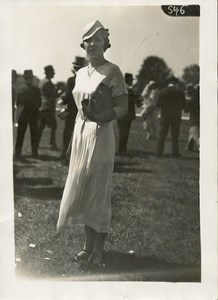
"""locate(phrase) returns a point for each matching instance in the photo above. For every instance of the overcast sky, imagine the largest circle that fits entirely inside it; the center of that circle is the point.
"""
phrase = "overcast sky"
(43, 35)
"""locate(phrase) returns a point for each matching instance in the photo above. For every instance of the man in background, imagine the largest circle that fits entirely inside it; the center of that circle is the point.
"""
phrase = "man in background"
(28, 102)
(48, 109)
(71, 108)
(171, 101)
(125, 122)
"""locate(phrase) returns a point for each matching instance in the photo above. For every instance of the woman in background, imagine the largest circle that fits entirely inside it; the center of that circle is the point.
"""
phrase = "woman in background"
(193, 107)
(87, 195)
(150, 111)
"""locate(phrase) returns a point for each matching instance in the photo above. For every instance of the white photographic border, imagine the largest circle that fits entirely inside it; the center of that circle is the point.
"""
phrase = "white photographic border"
(10, 288)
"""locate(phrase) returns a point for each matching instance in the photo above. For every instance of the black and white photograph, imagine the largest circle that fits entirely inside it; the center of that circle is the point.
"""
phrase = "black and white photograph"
(109, 150)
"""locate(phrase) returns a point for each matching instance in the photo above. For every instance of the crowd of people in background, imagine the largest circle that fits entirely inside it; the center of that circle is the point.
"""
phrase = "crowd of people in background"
(34, 104)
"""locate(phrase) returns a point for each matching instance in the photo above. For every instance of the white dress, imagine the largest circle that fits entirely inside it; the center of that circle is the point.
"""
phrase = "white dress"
(87, 194)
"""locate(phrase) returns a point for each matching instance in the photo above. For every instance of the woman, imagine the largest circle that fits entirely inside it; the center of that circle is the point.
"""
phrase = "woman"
(87, 195)
(150, 111)
(193, 108)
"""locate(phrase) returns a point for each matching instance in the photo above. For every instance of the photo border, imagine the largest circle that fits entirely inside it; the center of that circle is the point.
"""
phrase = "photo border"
(207, 289)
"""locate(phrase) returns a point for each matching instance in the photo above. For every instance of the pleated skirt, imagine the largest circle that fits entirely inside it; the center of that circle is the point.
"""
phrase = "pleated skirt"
(87, 194)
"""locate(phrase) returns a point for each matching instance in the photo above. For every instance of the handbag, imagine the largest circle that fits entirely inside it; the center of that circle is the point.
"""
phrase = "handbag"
(101, 100)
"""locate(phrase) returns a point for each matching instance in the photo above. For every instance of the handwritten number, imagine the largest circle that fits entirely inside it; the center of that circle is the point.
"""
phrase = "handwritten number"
(182, 11)
(176, 10)
(170, 9)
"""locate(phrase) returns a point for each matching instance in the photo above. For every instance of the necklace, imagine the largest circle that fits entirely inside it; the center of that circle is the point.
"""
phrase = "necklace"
(91, 70)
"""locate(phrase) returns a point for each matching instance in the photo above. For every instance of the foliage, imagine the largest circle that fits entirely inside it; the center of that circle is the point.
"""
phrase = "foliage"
(191, 74)
(153, 68)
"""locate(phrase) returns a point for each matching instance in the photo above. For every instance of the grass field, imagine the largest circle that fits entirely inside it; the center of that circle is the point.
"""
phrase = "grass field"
(155, 230)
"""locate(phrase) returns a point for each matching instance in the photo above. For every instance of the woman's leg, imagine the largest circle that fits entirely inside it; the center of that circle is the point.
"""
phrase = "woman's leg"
(89, 239)
(93, 248)
(99, 242)
(96, 258)
(88, 247)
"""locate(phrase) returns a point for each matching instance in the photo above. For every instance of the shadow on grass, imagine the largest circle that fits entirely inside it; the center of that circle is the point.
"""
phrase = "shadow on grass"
(181, 157)
(126, 267)
(23, 159)
(33, 181)
(45, 157)
(124, 163)
(134, 153)
(150, 153)
(26, 166)
(190, 158)
(17, 169)
(118, 267)
(40, 193)
(128, 167)
(118, 169)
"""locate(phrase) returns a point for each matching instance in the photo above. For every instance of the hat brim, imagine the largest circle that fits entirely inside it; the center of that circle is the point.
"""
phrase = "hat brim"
(89, 35)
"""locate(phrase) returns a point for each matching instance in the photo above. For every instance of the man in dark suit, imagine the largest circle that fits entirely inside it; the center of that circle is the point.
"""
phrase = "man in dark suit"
(68, 100)
(171, 101)
(28, 101)
(124, 123)
(47, 110)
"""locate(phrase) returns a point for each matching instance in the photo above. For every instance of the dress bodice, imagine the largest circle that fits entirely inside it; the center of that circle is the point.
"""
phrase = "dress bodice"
(108, 74)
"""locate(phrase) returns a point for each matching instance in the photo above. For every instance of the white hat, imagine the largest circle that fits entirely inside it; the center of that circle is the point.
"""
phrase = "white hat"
(90, 29)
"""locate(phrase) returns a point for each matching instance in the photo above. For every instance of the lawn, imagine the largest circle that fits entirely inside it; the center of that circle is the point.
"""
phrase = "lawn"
(155, 230)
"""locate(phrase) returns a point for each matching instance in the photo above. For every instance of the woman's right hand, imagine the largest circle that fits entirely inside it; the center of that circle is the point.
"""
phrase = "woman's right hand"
(68, 152)
(69, 148)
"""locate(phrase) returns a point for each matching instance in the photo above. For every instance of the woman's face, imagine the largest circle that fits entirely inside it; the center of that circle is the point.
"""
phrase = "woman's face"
(94, 46)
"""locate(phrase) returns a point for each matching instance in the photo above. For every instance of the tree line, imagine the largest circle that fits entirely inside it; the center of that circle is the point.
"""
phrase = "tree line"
(155, 68)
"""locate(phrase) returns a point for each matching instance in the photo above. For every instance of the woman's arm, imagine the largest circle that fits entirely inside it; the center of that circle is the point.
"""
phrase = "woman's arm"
(119, 110)
(121, 105)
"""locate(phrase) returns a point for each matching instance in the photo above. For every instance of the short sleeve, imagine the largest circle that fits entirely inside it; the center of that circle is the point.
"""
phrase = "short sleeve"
(117, 83)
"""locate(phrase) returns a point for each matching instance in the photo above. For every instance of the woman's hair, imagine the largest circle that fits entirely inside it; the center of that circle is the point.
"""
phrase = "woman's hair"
(105, 34)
